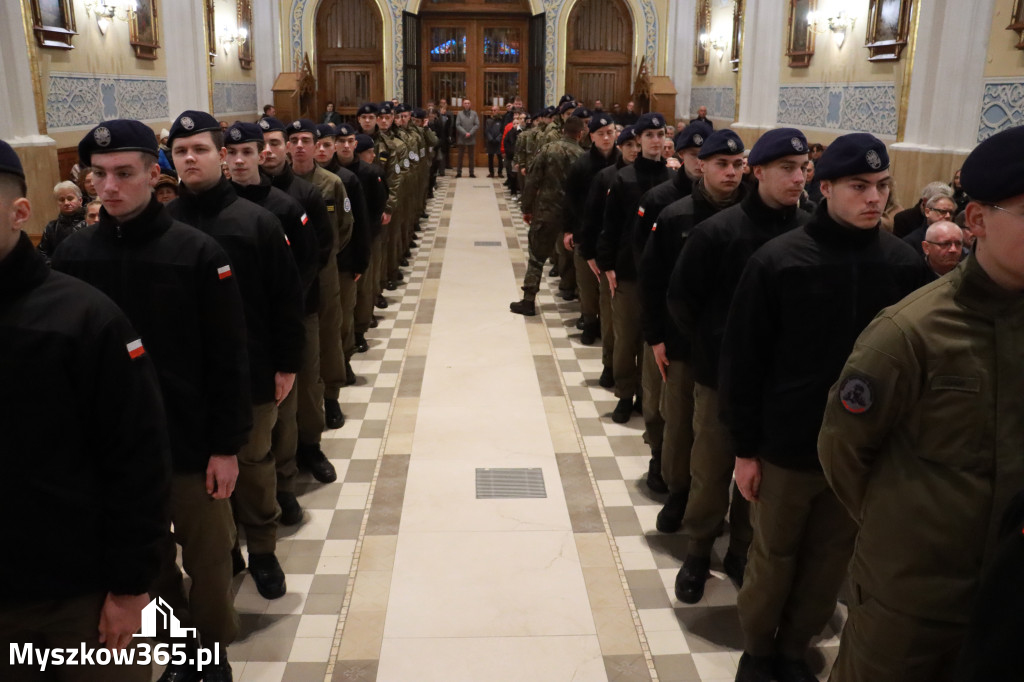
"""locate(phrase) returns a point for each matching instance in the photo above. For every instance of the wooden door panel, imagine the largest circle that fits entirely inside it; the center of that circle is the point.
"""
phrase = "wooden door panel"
(608, 84)
(350, 86)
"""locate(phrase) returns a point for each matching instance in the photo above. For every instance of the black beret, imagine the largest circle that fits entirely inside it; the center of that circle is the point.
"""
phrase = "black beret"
(722, 141)
(566, 98)
(120, 135)
(386, 109)
(240, 133)
(565, 106)
(852, 154)
(269, 124)
(628, 133)
(191, 123)
(599, 121)
(995, 169)
(9, 161)
(649, 121)
(582, 112)
(692, 135)
(346, 129)
(326, 130)
(302, 125)
(402, 108)
(776, 144)
(551, 111)
(368, 108)
(419, 113)
(363, 142)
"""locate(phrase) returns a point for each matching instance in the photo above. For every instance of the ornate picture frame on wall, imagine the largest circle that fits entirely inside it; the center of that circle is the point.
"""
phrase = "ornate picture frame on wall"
(1017, 23)
(211, 30)
(245, 24)
(800, 47)
(144, 31)
(53, 22)
(888, 29)
(702, 44)
(737, 34)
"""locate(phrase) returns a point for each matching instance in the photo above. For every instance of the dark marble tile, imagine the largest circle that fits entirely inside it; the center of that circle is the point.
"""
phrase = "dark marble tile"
(627, 668)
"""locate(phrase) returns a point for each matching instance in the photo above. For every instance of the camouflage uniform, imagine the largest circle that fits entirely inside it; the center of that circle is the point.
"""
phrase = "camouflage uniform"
(543, 197)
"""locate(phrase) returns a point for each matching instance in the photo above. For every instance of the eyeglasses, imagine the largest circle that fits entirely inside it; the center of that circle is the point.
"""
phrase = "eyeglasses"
(943, 211)
(1005, 210)
(945, 245)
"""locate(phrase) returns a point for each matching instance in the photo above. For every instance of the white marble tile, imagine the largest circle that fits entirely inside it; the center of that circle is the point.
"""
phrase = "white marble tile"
(317, 626)
(377, 411)
(658, 620)
(667, 642)
(338, 548)
(714, 665)
(495, 659)
(366, 448)
(260, 671)
(487, 584)
(584, 410)
(311, 650)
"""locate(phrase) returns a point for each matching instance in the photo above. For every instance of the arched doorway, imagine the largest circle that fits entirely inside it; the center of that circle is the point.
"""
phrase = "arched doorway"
(350, 54)
(600, 52)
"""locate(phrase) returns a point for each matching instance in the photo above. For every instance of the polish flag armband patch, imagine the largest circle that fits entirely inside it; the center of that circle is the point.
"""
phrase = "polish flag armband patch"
(135, 349)
(224, 271)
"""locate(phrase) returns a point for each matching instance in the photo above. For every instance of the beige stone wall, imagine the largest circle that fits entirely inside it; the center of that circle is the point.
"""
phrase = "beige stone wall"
(1003, 60)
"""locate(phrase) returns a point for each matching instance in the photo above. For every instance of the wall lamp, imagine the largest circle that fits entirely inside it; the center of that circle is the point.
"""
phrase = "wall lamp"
(108, 10)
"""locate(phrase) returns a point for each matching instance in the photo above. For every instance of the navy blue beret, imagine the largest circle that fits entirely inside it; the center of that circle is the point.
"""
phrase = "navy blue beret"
(652, 120)
(776, 144)
(346, 130)
(566, 98)
(191, 123)
(363, 142)
(550, 111)
(995, 169)
(239, 133)
(402, 108)
(269, 124)
(599, 121)
(582, 112)
(302, 125)
(566, 106)
(120, 135)
(722, 141)
(386, 109)
(419, 113)
(368, 108)
(326, 130)
(852, 154)
(9, 161)
(692, 135)
(628, 133)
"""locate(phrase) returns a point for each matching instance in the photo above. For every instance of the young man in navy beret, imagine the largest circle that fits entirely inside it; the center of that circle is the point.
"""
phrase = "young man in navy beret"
(922, 441)
(800, 303)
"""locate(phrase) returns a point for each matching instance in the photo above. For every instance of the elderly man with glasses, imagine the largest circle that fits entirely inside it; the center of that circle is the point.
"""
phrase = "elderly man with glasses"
(939, 207)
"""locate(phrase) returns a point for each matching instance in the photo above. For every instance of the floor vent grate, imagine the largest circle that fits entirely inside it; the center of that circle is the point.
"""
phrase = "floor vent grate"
(493, 484)
(486, 243)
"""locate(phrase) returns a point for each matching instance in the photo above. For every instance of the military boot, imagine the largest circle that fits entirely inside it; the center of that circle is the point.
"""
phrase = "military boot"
(670, 518)
(523, 307)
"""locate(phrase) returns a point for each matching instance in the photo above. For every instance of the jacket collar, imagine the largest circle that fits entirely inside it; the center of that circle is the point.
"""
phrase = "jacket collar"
(976, 290)
(645, 166)
(282, 180)
(152, 222)
(826, 230)
(212, 200)
(22, 270)
(254, 193)
(762, 213)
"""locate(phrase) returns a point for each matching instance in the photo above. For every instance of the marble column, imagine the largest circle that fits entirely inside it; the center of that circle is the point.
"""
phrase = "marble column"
(266, 36)
(188, 73)
(682, 18)
(764, 26)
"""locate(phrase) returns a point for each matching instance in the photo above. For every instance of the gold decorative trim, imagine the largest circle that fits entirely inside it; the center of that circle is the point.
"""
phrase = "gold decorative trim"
(908, 72)
(33, 64)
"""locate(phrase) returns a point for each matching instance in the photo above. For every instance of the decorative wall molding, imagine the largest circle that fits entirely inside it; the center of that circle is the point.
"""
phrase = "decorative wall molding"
(234, 98)
(854, 107)
(76, 100)
(1002, 106)
(721, 102)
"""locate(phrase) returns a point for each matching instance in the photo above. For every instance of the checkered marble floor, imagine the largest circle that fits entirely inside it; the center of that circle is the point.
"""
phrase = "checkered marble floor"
(688, 643)
(291, 639)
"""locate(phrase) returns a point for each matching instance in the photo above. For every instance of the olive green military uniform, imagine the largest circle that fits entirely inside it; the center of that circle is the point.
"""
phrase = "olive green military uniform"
(336, 322)
(923, 442)
(390, 157)
(396, 243)
(527, 147)
(543, 197)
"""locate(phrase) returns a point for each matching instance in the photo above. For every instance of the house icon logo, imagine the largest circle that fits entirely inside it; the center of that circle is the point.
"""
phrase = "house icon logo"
(157, 616)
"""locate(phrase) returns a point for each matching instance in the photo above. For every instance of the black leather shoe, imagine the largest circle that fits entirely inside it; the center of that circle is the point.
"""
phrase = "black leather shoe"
(312, 459)
(754, 669)
(670, 518)
(404, 262)
(654, 480)
(638, 406)
(790, 670)
(523, 307)
(412, 245)
(398, 276)
(735, 566)
(361, 345)
(623, 411)
(458, 175)
(580, 323)
(567, 294)
(218, 672)
(373, 319)
(591, 333)
(607, 379)
(237, 561)
(183, 672)
(691, 578)
(391, 285)
(471, 175)
(350, 376)
(380, 303)
(553, 272)
(333, 417)
(266, 572)
(291, 510)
